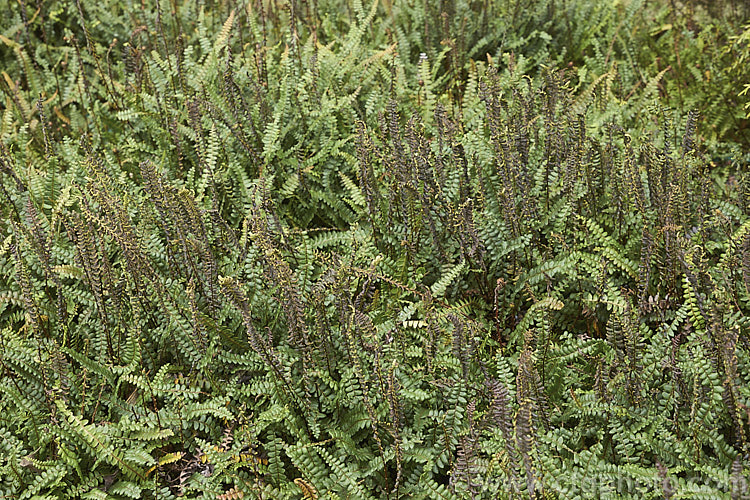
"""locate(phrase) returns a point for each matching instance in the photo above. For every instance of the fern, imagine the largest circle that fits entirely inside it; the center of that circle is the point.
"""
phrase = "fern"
(373, 250)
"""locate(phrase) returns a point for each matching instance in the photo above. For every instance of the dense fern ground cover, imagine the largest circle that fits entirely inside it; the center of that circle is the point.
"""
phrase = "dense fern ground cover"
(400, 249)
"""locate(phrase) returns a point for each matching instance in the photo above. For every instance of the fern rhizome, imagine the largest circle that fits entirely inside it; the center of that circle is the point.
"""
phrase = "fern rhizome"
(389, 249)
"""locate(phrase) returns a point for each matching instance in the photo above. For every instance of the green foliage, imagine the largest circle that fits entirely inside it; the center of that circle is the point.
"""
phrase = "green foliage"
(374, 250)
